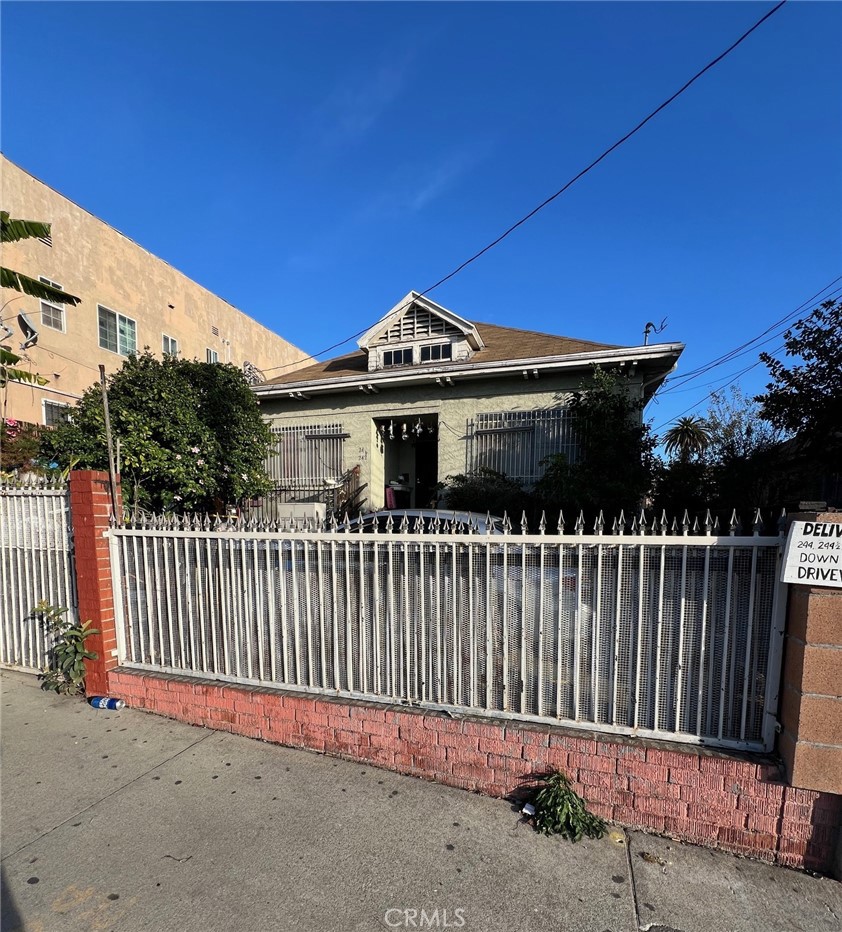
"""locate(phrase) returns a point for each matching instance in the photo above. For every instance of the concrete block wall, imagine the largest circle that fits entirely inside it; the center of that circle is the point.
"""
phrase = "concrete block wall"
(811, 703)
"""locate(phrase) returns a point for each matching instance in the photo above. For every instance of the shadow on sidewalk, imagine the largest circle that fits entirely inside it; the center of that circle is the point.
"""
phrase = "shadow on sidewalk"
(10, 919)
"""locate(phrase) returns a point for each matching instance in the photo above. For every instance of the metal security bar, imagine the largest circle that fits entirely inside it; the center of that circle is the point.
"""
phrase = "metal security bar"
(515, 443)
(305, 455)
(36, 563)
(674, 637)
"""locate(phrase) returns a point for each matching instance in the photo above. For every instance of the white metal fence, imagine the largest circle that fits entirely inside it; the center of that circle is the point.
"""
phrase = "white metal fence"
(667, 636)
(36, 563)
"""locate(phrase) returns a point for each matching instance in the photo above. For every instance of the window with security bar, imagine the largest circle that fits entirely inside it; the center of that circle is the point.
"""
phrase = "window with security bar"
(516, 443)
(306, 454)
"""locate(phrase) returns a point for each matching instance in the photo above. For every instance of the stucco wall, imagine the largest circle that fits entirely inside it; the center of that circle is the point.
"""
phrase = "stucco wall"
(454, 406)
(102, 266)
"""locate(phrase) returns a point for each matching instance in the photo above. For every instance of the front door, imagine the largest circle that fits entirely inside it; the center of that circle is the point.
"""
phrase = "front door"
(410, 460)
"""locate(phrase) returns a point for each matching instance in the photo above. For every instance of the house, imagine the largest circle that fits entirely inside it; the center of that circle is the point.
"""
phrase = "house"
(431, 394)
(130, 299)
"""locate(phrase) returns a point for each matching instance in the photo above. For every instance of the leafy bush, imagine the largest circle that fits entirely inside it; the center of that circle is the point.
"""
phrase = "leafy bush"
(19, 444)
(65, 670)
(486, 490)
(614, 465)
(191, 434)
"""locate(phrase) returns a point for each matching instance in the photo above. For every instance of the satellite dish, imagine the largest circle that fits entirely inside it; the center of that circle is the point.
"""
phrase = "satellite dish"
(29, 331)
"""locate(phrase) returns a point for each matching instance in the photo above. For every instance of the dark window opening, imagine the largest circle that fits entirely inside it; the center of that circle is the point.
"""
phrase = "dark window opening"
(436, 352)
(398, 357)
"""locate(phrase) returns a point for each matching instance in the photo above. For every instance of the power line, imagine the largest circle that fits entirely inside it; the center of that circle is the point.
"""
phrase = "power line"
(721, 385)
(53, 352)
(749, 346)
(745, 347)
(572, 181)
(610, 149)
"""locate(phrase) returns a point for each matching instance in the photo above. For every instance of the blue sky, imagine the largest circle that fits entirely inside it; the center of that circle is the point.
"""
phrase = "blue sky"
(312, 163)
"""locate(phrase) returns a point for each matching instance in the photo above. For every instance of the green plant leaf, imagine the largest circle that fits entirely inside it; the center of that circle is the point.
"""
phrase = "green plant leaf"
(35, 289)
(559, 810)
(13, 230)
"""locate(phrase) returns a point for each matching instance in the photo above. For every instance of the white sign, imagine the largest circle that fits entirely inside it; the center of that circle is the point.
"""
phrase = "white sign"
(813, 555)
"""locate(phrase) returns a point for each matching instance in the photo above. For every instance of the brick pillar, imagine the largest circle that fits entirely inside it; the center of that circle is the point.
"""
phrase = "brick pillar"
(811, 711)
(90, 509)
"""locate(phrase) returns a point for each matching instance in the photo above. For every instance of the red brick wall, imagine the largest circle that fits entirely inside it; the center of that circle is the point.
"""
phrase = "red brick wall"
(90, 508)
(738, 804)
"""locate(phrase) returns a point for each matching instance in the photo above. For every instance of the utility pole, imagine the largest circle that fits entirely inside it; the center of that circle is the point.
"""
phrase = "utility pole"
(112, 474)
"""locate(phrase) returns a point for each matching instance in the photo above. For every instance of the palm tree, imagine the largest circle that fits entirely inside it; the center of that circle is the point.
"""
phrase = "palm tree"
(10, 232)
(688, 436)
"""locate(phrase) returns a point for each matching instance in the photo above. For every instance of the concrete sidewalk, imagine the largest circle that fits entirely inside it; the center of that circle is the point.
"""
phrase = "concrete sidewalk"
(125, 821)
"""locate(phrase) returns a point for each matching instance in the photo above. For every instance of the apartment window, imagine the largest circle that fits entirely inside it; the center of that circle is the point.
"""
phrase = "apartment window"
(169, 346)
(52, 315)
(398, 357)
(54, 412)
(116, 332)
(212, 355)
(436, 352)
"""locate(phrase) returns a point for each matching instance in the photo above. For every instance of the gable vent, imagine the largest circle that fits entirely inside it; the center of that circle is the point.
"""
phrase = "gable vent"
(46, 240)
(215, 331)
(418, 323)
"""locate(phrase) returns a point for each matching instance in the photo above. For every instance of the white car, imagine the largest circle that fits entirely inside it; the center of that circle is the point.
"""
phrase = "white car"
(425, 521)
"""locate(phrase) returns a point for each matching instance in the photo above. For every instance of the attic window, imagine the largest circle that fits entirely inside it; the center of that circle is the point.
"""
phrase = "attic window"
(398, 357)
(436, 352)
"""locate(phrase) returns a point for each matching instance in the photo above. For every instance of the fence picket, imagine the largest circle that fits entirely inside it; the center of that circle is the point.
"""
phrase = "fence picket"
(603, 631)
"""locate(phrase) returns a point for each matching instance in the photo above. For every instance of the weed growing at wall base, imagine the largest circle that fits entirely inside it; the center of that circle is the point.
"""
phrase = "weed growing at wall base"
(559, 810)
(65, 670)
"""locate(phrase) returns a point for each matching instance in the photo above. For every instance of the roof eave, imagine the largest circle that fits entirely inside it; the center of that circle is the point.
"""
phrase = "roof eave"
(665, 353)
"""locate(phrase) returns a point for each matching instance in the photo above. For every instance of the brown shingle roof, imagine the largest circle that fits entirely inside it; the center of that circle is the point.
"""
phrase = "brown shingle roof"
(501, 343)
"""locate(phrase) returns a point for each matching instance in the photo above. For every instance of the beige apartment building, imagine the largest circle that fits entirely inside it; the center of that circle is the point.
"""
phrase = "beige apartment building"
(130, 299)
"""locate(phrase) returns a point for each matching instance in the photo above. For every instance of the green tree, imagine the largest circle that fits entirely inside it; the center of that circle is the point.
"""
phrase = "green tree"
(615, 461)
(191, 435)
(805, 399)
(743, 464)
(681, 484)
(736, 427)
(688, 437)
